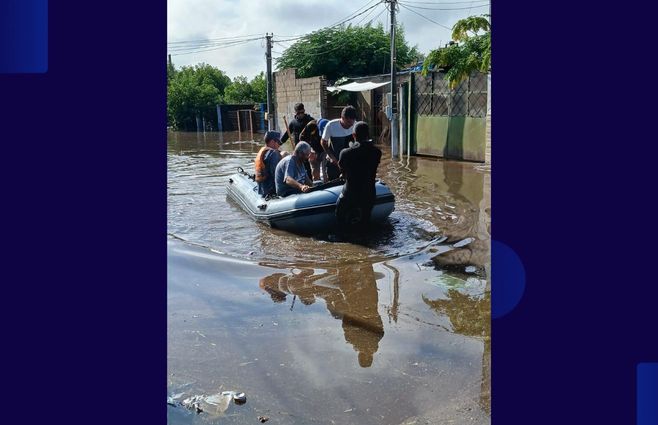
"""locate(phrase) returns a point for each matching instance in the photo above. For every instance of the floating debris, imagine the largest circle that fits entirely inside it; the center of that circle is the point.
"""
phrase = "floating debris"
(263, 419)
(215, 404)
(463, 242)
(238, 398)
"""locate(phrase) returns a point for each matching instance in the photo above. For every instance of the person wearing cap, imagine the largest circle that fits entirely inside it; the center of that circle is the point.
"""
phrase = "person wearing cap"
(290, 176)
(358, 164)
(267, 159)
(336, 137)
(297, 124)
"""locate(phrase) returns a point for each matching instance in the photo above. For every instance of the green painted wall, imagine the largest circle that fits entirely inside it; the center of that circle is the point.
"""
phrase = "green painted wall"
(450, 137)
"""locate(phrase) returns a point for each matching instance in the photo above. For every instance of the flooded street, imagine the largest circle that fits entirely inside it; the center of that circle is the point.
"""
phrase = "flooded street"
(393, 330)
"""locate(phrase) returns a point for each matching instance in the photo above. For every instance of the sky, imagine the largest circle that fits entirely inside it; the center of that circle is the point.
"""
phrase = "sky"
(190, 22)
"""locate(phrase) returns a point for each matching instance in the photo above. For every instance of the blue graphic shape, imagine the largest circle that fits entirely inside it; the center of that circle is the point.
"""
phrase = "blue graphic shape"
(23, 36)
(507, 279)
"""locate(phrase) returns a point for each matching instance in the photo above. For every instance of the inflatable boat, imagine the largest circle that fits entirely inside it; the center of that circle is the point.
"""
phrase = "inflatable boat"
(305, 213)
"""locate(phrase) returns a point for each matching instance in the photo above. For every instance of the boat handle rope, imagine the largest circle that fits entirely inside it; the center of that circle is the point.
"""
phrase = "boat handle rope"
(243, 172)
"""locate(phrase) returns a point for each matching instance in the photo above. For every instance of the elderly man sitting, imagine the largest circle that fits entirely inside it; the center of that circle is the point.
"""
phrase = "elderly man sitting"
(290, 175)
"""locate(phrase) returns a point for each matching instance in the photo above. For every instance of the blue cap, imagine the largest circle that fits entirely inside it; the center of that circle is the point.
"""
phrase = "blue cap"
(272, 135)
(322, 123)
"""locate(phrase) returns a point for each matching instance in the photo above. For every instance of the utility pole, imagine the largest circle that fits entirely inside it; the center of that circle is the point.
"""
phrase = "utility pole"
(268, 56)
(394, 90)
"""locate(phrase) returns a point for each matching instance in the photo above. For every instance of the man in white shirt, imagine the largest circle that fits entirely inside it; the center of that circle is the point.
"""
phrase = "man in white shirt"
(336, 137)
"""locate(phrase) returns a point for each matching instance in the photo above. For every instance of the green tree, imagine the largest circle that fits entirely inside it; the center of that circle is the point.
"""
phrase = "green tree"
(347, 51)
(259, 88)
(242, 91)
(239, 91)
(194, 92)
(471, 53)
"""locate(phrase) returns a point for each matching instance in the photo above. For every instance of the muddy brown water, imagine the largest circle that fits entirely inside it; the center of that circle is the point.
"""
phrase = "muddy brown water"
(391, 330)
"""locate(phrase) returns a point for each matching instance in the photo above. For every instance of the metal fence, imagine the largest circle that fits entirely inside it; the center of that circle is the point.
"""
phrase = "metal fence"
(246, 120)
(433, 95)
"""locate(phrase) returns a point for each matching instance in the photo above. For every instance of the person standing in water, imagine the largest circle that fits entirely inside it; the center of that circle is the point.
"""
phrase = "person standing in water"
(358, 164)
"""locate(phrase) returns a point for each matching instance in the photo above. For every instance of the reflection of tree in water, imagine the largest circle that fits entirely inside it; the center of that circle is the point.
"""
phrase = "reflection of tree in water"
(350, 294)
(470, 316)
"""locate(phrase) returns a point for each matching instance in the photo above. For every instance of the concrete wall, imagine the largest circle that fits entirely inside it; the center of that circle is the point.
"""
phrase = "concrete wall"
(451, 137)
(289, 90)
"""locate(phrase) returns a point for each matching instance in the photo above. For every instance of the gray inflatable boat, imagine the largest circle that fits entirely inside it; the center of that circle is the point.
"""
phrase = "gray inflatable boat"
(305, 213)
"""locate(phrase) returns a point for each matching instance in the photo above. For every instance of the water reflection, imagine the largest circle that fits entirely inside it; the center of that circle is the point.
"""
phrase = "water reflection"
(350, 295)
(433, 256)
(470, 315)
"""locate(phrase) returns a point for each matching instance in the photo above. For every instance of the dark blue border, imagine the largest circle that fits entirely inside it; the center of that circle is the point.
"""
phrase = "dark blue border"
(573, 181)
(23, 36)
(84, 215)
(647, 394)
(84, 219)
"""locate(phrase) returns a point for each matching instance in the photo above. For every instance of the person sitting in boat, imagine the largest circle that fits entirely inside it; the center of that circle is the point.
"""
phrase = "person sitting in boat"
(358, 164)
(290, 175)
(337, 134)
(267, 159)
(297, 124)
(311, 135)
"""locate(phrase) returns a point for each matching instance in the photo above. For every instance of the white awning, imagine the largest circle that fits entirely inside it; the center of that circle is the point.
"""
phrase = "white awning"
(368, 85)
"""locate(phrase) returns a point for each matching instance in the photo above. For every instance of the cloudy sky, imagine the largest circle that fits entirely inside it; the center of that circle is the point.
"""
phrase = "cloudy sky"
(224, 22)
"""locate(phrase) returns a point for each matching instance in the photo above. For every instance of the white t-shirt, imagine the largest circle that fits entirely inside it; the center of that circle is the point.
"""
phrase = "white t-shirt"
(337, 136)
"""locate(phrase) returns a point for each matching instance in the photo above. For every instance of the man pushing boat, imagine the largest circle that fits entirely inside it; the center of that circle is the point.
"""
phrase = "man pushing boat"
(358, 165)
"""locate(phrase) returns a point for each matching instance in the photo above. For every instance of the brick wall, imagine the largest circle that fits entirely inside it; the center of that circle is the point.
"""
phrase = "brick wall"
(289, 90)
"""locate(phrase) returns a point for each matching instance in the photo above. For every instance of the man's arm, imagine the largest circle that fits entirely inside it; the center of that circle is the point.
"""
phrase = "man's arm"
(294, 183)
(343, 163)
(285, 135)
(328, 150)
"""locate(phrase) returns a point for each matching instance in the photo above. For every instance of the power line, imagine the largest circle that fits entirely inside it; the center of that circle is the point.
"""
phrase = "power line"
(425, 17)
(366, 16)
(350, 18)
(209, 45)
(443, 8)
(197, 50)
(377, 17)
(353, 15)
(208, 40)
(329, 46)
(446, 2)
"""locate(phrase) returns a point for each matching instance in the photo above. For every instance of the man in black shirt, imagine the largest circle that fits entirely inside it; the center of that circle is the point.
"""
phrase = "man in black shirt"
(297, 124)
(358, 164)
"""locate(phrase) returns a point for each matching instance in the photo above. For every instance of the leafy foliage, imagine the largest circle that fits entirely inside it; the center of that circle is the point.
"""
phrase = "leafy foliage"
(243, 91)
(472, 24)
(194, 91)
(350, 51)
(461, 59)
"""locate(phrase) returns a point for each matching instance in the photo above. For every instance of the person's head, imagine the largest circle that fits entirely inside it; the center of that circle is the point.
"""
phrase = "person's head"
(348, 116)
(361, 132)
(272, 139)
(299, 110)
(313, 155)
(302, 151)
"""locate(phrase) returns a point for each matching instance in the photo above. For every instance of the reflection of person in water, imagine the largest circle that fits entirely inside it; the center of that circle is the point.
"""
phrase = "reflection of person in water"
(351, 296)
(279, 285)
